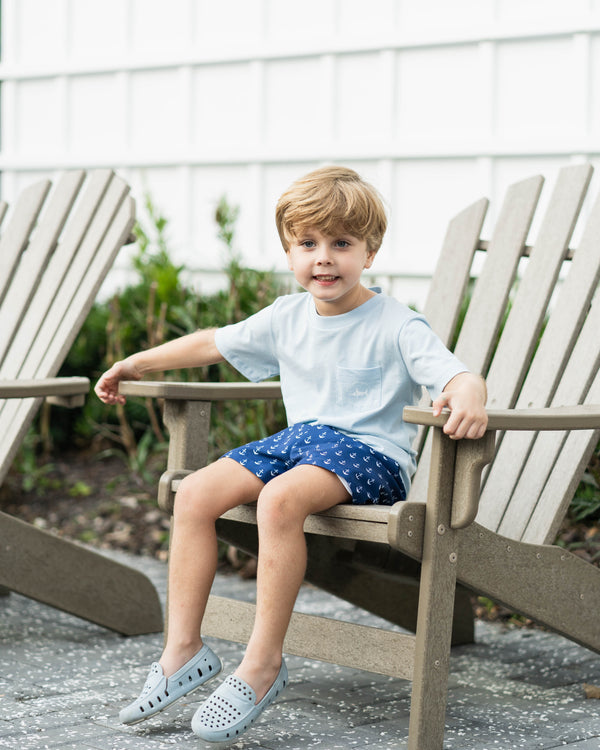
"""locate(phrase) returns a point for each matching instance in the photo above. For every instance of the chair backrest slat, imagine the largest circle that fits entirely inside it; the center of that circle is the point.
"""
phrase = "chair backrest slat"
(3, 210)
(487, 307)
(537, 453)
(567, 469)
(530, 303)
(486, 310)
(16, 234)
(121, 208)
(34, 259)
(61, 276)
(54, 292)
(80, 248)
(451, 278)
(552, 378)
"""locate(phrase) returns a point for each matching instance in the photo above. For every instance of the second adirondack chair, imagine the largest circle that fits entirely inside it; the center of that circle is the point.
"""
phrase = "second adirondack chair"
(55, 251)
(531, 327)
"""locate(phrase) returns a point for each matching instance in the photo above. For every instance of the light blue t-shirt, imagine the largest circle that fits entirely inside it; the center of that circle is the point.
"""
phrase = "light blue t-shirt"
(354, 372)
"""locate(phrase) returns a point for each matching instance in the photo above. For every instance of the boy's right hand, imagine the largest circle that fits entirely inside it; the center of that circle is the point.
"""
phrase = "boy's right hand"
(107, 388)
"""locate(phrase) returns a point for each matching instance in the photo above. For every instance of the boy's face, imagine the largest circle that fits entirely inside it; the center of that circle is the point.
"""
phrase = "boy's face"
(330, 268)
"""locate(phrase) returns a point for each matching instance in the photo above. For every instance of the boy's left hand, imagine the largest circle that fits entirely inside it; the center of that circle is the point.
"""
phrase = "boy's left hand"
(465, 395)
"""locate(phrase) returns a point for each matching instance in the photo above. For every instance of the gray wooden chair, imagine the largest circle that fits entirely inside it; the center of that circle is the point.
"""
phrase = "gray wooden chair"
(55, 251)
(412, 563)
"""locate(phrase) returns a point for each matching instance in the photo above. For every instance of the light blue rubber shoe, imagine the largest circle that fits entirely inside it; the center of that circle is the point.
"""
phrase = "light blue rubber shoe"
(160, 691)
(232, 708)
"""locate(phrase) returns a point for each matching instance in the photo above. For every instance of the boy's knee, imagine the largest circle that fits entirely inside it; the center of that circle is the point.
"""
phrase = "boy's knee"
(275, 508)
(189, 496)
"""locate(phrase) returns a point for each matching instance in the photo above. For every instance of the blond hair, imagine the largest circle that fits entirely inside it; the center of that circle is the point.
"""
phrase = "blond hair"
(332, 199)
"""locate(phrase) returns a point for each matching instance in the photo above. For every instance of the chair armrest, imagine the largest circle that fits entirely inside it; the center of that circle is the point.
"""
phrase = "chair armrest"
(62, 391)
(471, 456)
(200, 391)
(581, 417)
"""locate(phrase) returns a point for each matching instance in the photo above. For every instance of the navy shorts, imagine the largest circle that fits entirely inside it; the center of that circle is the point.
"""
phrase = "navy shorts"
(370, 477)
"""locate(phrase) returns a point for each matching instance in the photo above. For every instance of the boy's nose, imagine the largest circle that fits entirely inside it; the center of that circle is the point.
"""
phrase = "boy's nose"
(323, 257)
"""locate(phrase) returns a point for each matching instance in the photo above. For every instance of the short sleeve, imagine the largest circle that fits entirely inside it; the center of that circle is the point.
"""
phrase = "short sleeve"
(249, 346)
(428, 361)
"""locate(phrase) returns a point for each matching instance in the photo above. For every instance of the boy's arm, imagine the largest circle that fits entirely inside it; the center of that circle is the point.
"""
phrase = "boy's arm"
(195, 350)
(465, 395)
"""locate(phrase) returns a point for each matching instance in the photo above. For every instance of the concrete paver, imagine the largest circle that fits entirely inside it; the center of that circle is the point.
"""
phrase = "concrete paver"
(63, 682)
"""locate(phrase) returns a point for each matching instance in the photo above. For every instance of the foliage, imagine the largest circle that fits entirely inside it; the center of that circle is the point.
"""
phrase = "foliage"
(586, 503)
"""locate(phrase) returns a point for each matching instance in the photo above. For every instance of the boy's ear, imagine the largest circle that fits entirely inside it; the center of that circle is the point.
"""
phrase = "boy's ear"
(370, 258)
(288, 255)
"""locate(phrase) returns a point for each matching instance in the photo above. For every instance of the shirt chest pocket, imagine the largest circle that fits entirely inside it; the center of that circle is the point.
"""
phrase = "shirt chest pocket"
(359, 389)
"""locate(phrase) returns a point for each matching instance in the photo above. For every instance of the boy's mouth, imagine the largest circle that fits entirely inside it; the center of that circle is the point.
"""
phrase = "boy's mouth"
(323, 278)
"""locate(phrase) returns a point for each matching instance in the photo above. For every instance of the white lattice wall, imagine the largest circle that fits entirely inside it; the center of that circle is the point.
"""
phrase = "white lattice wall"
(436, 102)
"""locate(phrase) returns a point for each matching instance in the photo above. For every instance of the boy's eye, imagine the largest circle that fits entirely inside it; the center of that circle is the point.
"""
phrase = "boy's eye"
(308, 244)
(342, 243)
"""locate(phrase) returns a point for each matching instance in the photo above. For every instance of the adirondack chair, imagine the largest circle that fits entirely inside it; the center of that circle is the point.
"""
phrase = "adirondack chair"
(489, 530)
(55, 251)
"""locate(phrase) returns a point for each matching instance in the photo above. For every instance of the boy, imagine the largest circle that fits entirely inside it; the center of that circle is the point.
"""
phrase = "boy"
(349, 360)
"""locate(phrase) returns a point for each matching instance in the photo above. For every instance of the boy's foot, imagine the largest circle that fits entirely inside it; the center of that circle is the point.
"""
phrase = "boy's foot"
(160, 691)
(232, 708)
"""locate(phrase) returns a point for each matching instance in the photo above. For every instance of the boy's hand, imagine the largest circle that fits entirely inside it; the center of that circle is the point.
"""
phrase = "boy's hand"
(107, 388)
(465, 395)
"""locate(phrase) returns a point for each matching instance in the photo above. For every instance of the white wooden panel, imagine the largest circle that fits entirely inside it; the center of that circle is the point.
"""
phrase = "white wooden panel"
(159, 28)
(243, 20)
(437, 92)
(534, 10)
(534, 97)
(97, 104)
(36, 99)
(41, 31)
(359, 20)
(457, 17)
(420, 187)
(289, 21)
(98, 31)
(157, 109)
(226, 106)
(297, 104)
(361, 111)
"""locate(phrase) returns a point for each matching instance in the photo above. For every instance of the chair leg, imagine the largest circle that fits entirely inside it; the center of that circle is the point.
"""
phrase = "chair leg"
(436, 604)
(77, 580)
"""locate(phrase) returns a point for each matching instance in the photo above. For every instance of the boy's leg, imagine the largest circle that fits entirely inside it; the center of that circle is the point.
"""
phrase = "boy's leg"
(283, 505)
(201, 498)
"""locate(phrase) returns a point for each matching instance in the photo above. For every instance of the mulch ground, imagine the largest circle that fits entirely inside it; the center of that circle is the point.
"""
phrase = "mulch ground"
(97, 501)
